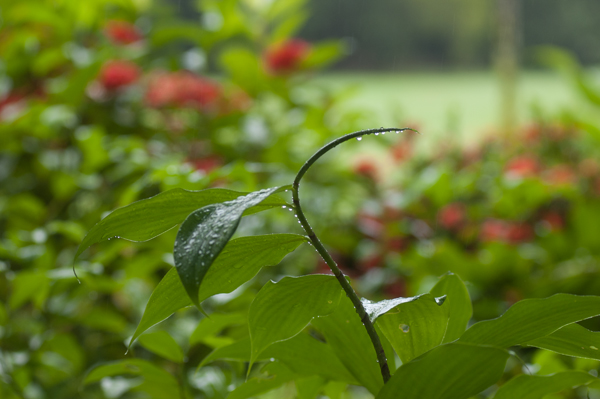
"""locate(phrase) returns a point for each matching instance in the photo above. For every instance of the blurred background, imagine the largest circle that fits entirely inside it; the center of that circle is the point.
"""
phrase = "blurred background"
(106, 102)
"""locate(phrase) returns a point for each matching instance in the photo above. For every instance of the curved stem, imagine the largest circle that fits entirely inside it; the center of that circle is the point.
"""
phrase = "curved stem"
(364, 317)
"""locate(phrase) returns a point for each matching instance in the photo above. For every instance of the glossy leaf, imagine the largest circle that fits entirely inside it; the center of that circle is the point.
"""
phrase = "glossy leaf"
(345, 333)
(281, 310)
(162, 344)
(241, 259)
(376, 309)
(571, 340)
(538, 386)
(148, 218)
(303, 354)
(531, 319)
(276, 375)
(157, 382)
(204, 234)
(415, 327)
(458, 303)
(455, 370)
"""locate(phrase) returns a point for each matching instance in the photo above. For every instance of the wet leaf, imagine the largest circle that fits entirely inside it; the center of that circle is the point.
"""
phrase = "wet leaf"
(458, 303)
(571, 340)
(538, 386)
(415, 327)
(204, 234)
(241, 259)
(531, 319)
(148, 218)
(276, 375)
(455, 370)
(162, 344)
(281, 310)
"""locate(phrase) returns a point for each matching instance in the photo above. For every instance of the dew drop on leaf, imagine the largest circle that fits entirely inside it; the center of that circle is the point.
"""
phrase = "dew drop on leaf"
(404, 327)
(359, 138)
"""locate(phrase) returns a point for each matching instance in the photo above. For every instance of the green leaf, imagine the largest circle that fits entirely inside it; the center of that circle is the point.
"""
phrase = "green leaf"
(454, 370)
(303, 354)
(415, 327)
(458, 303)
(345, 333)
(281, 310)
(531, 319)
(376, 309)
(537, 386)
(162, 344)
(241, 259)
(571, 340)
(204, 234)
(210, 326)
(277, 375)
(148, 218)
(324, 53)
(309, 388)
(157, 382)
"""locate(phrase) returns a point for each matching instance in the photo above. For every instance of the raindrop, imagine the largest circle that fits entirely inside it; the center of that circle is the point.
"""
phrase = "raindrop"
(284, 207)
(329, 301)
(272, 359)
(359, 138)
(404, 327)
(382, 132)
(376, 134)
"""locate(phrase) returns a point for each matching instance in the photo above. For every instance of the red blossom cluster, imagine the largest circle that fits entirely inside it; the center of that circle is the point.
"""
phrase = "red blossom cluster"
(116, 74)
(286, 56)
(122, 32)
(182, 89)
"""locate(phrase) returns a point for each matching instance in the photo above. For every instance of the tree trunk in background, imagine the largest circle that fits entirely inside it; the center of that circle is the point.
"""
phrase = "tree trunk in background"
(507, 62)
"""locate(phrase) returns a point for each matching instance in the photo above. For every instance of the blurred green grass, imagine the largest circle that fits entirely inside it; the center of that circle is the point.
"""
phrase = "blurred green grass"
(450, 105)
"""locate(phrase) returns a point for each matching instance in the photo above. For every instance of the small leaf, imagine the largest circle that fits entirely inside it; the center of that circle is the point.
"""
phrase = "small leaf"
(157, 382)
(571, 340)
(455, 370)
(345, 333)
(148, 218)
(415, 327)
(281, 310)
(204, 234)
(162, 344)
(458, 303)
(278, 375)
(531, 319)
(303, 354)
(241, 259)
(537, 386)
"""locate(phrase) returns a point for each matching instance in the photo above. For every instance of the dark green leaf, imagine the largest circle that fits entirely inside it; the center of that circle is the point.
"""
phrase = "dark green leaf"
(303, 354)
(571, 340)
(531, 319)
(148, 218)
(458, 303)
(415, 327)
(281, 310)
(454, 370)
(349, 340)
(204, 234)
(241, 259)
(162, 344)
(537, 386)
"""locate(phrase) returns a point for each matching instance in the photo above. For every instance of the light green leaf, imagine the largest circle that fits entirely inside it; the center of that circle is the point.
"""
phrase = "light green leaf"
(148, 218)
(537, 386)
(157, 382)
(309, 388)
(415, 327)
(241, 259)
(277, 375)
(571, 340)
(531, 319)
(303, 354)
(281, 310)
(204, 234)
(162, 344)
(349, 340)
(455, 370)
(458, 303)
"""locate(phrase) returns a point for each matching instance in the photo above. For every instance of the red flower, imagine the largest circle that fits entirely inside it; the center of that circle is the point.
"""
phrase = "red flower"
(286, 56)
(521, 167)
(207, 164)
(367, 168)
(494, 230)
(451, 216)
(118, 73)
(554, 220)
(560, 175)
(182, 89)
(122, 32)
(519, 232)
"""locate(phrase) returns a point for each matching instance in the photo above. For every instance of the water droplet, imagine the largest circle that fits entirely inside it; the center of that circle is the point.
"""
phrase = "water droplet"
(594, 348)
(376, 134)
(382, 132)
(329, 301)
(359, 138)
(404, 327)
(272, 359)
(284, 207)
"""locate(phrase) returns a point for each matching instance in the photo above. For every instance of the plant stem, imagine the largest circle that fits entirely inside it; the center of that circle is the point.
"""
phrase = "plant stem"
(364, 317)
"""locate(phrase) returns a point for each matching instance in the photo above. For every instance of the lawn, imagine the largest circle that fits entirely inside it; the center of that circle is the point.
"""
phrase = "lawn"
(464, 104)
